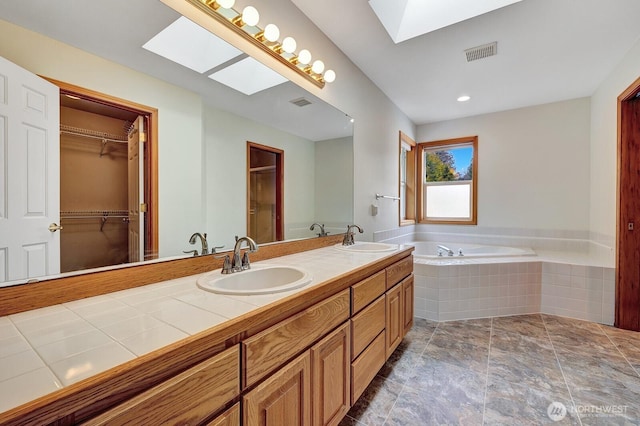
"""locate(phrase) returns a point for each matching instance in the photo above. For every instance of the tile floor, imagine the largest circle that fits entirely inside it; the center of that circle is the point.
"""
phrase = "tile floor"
(507, 371)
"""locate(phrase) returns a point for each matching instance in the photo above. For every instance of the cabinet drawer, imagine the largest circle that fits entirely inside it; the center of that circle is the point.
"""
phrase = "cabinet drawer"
(366, 325)
(399, 270)
(366, 291)
(188, 398)
(272, 347)
(366, 366)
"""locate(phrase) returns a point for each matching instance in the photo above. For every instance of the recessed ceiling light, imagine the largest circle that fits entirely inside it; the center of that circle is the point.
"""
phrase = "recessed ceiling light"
(464, 98)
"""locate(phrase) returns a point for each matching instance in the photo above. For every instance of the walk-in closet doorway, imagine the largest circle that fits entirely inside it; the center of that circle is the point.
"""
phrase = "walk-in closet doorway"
(108, 180)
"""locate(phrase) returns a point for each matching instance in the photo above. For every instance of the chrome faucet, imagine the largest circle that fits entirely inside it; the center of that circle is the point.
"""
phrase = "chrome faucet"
(348, 236)
(322, 232)
(237, 264)
(203, 242)
(445, 248)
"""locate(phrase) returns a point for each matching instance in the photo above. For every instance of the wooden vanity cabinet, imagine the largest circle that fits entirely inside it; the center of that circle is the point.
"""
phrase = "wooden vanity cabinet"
(308, 368)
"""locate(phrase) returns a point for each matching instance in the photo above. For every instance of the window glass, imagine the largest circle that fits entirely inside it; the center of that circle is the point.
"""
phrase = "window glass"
(448, 181)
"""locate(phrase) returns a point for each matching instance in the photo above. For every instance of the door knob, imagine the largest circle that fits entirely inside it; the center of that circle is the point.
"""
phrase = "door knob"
(55, 227)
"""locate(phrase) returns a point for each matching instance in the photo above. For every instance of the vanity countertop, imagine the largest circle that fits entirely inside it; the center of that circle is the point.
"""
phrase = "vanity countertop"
(47, 349)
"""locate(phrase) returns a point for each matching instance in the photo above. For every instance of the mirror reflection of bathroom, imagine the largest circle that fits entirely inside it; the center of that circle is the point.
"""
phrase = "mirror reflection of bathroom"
(101, 183)
(265, 192)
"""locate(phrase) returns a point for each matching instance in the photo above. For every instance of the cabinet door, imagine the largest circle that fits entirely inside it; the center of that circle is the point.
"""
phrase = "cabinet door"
(231, 417)
(282, 399)
(407, 291)
(330, 366)
(395, 318)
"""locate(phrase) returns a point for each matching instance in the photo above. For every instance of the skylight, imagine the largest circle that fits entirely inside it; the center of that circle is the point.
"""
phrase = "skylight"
(248, 76)
(405, 19)
(190, 45)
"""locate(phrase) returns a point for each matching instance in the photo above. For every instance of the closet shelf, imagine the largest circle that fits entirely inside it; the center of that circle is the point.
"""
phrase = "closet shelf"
(93, 134)
(93, 213)
(103, 215)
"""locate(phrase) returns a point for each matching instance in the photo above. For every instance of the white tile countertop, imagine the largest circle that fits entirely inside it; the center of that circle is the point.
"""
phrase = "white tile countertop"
(46, 349)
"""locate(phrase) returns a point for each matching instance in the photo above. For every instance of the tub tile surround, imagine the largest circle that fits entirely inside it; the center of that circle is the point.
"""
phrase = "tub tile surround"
(570, 275)
(46, 349)
(506, 370)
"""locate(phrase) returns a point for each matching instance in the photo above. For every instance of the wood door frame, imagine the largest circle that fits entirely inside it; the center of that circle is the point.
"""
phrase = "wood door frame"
(622, 317)
(279, 186)
(150, 162)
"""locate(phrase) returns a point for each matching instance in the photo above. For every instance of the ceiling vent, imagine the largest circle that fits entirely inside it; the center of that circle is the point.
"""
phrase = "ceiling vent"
(481, 52)
(300, 102)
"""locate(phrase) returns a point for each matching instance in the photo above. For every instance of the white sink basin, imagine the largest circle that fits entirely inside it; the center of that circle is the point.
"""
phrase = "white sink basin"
(365, 247)
(260, 279)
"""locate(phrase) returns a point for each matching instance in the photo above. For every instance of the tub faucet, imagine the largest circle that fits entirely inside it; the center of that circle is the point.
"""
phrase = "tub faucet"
(348, 236)
(241, 265)
(203, 242)
(322, 232)
(447, 249)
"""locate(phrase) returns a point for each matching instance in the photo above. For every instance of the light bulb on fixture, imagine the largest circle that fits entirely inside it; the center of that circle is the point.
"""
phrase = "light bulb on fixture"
(250, 16)
(317, 67)
(330, 76)
(271, 33)
(226, 4)
(289, 44)
(304, 57)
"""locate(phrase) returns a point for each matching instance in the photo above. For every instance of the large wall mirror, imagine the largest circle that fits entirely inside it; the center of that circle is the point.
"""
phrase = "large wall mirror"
(203, 128)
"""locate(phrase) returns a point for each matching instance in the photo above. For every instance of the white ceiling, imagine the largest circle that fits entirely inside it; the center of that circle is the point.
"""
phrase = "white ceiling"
(548, 50)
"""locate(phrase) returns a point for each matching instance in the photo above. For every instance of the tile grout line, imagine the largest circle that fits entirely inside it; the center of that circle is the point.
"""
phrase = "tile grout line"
(405, 382)
(618, 349)
(561, 370)
(486, 382)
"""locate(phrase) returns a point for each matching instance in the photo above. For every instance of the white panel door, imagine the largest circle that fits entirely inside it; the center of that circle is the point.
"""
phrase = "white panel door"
(29, 174)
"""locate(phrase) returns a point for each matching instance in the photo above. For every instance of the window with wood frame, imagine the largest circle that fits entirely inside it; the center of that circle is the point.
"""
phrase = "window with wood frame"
(407, 190)
(448, 181)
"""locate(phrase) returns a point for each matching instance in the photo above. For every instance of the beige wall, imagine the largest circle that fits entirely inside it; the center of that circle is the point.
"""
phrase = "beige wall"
(533, 164)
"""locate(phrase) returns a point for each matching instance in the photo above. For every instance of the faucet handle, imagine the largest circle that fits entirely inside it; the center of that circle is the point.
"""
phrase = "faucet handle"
(194, 252)
(226, 266)
(245, 261)
(213, 250)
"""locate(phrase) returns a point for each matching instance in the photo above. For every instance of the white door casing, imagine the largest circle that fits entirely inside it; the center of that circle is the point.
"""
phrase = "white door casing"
(29, 174)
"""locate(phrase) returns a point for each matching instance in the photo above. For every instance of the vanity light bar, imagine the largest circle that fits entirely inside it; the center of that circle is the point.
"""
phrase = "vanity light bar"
(246, 24)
